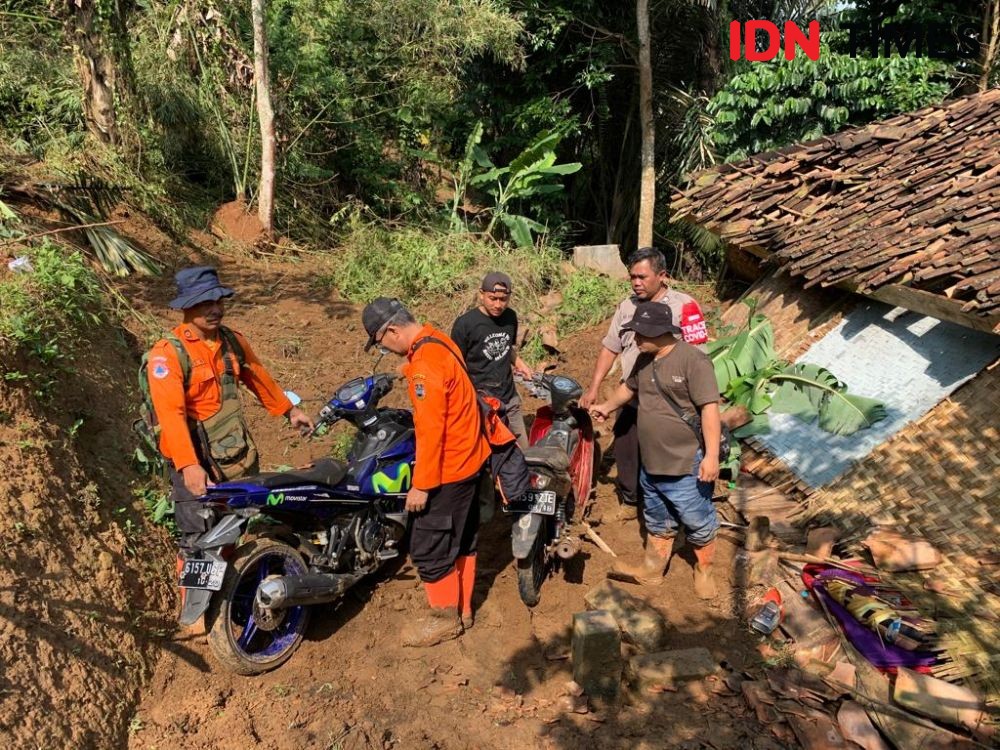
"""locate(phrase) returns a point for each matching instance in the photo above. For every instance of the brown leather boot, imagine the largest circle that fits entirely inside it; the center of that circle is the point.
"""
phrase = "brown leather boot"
(442, 622)
(437, 626)
(704, 586)
(651, 570)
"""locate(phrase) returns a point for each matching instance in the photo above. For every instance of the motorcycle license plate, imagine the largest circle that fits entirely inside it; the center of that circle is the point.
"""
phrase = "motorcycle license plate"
(541, 502)
(203, 574)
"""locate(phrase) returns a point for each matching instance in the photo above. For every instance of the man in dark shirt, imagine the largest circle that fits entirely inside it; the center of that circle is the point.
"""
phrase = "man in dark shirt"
(677, 477)
(487, 338)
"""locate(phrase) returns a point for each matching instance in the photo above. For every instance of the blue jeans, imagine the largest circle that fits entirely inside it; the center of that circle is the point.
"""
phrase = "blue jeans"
(672, 502)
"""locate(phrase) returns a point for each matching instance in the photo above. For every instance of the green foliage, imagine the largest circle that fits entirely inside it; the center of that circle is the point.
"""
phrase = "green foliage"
(587, 299)
(750, 374)
(157, 505)
(44, 311)
(40, 96)
(531, 174)
(780, 102)
(419, 265)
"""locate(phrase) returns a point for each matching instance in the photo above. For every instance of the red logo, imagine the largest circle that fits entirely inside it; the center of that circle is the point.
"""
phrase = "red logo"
(758, 53)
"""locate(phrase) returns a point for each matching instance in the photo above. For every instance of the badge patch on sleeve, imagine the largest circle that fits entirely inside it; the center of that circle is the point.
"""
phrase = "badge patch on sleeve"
(418, 389)
(159, 368)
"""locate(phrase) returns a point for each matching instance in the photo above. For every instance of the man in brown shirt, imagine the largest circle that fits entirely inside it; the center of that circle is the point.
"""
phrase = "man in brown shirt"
(647, 270)
(677, 476)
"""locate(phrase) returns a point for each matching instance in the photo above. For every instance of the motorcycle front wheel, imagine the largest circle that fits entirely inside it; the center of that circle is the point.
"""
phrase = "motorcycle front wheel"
(531, 571)
(244, 638)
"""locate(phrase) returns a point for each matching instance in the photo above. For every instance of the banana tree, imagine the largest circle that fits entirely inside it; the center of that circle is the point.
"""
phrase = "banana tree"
(750, 374)
(530, 174)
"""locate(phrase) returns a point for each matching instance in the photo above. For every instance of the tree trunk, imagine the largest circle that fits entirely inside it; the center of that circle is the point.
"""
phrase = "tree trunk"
(96, 68)
(265, 113)
(647, 182)
(990, 42)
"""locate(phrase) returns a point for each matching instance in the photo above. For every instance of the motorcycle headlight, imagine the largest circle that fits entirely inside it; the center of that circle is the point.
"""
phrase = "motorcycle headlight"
(539, 481)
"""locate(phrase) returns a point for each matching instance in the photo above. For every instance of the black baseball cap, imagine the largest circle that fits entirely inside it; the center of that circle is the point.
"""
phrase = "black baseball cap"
(652, 319)
(376, 314)
(497, 282)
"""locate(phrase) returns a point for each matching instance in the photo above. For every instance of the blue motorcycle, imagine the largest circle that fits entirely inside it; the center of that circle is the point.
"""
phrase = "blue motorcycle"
(280, 542)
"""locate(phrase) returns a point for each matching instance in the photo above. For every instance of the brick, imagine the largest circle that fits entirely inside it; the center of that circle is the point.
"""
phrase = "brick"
(597, 658)
(640, 623)
(671, 667)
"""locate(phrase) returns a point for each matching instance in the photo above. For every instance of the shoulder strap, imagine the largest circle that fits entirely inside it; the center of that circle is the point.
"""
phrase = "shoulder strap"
(230, 342)
(435, 340)
(689, 420)
(182, 356)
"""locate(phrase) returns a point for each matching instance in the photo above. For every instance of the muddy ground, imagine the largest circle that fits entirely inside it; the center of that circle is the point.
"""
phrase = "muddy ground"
(351, 685)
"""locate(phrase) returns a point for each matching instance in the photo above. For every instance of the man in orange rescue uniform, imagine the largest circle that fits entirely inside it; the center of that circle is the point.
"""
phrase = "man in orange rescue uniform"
(451, 452)
(193, 376)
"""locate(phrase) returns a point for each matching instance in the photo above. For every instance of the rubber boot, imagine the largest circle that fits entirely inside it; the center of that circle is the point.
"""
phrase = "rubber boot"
(466, 566)
(441, 623)
(704, 586)
(651, 570)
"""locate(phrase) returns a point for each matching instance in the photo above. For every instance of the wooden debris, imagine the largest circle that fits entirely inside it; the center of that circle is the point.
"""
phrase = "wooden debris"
(937, 699)
(596, 539)
(857, 727)
(895, 552)
(816, 731)
(820, 541)
(758, 534)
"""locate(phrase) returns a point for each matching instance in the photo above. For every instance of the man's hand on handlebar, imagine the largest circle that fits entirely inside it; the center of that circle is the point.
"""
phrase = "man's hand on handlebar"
(301, 421)
(196, 480)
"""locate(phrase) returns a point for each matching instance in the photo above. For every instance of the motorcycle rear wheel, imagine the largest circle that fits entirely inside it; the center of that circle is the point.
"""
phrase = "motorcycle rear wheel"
(531, 571)
(244, 645)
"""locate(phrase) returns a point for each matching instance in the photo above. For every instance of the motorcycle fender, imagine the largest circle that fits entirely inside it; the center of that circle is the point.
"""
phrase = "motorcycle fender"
(523, 534)
(195, 603)
(225, 532)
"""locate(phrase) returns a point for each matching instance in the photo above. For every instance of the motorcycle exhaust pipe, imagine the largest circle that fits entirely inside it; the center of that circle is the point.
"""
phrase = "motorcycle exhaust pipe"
(313, 588)
(568, 548)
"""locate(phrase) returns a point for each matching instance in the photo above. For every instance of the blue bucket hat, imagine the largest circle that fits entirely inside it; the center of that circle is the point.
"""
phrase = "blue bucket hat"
(196, 285)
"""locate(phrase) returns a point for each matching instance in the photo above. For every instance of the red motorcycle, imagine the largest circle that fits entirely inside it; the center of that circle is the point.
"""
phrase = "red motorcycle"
(561, 468)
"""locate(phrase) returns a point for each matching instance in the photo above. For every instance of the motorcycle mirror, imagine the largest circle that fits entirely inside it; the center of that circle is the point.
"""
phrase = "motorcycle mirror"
(293, 397)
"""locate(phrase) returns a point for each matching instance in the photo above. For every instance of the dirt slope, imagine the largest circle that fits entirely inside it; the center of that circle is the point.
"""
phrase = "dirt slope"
(83, 590)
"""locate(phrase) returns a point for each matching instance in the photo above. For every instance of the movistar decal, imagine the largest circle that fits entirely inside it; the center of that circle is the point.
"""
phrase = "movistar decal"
(275, 498)
(382, 482)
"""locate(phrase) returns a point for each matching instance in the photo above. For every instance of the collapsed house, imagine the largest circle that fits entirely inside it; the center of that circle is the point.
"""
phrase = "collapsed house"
(876, 253)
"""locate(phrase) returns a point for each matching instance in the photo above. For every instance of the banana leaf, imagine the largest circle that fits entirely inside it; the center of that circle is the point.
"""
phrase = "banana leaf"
(759, 425)
(808, 391)
(743, 353)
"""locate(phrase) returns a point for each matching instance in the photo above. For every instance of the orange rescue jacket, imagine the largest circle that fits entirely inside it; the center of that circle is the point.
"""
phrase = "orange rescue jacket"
(203, 397)
(449, 437)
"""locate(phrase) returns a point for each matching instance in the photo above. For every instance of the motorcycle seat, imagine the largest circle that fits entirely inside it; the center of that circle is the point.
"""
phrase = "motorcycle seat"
(326, 471)
(547, 455)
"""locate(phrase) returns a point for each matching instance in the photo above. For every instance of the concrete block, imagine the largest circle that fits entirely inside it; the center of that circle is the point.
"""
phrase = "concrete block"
(640, 623)
(597, 656)
(602, 258)
(671, 667)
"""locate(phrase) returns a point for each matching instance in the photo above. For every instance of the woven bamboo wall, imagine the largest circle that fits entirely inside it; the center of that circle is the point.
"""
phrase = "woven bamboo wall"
(939, 479)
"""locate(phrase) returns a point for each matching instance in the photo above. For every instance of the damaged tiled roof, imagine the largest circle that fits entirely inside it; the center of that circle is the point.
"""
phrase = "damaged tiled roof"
(914, 200)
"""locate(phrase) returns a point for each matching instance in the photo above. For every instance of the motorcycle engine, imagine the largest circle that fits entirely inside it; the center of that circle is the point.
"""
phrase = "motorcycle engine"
(372, 536)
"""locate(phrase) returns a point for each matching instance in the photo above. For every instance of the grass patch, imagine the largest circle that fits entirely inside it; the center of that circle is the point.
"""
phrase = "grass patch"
(418, 264)
(43, 312)
(438, 273)
(588, 298)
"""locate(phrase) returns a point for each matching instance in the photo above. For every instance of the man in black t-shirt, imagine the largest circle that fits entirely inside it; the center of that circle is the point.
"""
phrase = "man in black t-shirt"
(487, 338)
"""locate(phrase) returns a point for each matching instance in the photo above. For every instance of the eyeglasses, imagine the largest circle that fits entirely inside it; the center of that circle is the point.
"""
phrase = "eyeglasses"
(382, 333)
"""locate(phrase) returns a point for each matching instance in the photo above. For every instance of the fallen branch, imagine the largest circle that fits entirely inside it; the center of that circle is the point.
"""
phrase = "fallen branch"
(796, 557)
(62, 229)
(596, 539)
